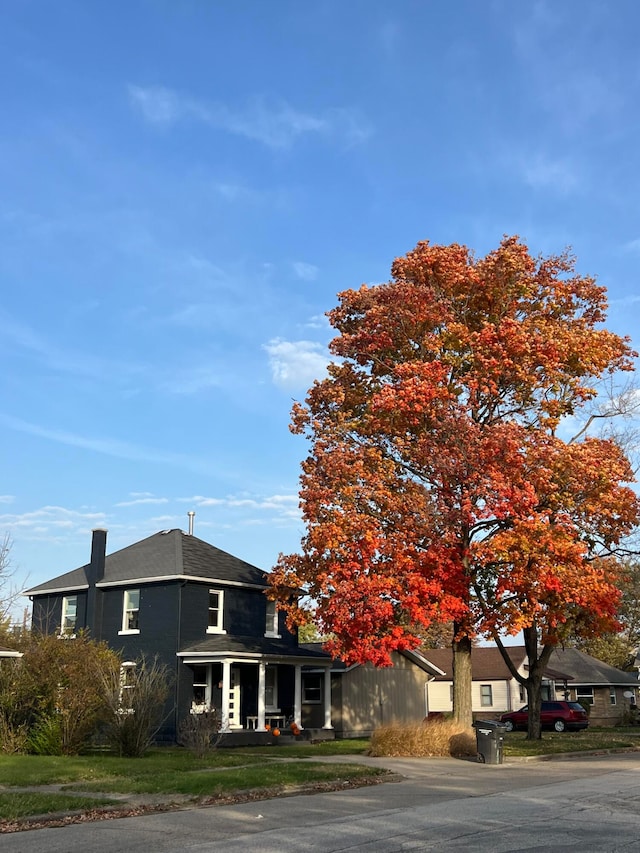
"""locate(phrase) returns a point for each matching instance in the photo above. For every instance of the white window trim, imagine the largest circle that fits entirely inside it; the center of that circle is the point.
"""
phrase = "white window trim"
(271, 625)
(125, 610)
(219, 628)
(68, 634)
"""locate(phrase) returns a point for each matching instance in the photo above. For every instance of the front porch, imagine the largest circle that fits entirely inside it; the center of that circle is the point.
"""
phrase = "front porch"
(255, 696)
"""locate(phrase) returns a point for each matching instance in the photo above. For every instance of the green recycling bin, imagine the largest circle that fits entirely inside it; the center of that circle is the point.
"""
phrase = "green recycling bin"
(489, 740)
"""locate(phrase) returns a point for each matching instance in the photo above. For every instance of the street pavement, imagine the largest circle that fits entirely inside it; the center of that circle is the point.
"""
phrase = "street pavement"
(587, 803)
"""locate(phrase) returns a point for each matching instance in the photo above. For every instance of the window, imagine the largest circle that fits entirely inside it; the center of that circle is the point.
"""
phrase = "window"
(130, 611)
(612, 696)
(271, 629)
(127, 684)
(69, 615)
(486, 695)
(584, 694)
(200, 689)
(216, 612)
(311, 688)
(271, 689)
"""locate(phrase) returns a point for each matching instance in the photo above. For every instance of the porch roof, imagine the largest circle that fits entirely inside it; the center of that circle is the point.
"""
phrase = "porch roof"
(222, 646)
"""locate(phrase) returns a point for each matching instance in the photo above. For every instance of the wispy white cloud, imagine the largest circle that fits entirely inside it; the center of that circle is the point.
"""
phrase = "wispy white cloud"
(143, 500)
(105, 446)
(305, 271)
(296, 364)
(7, 499)
(546, 173)
(318, 321)
(51, 518)
(632, 245)
(272, 122)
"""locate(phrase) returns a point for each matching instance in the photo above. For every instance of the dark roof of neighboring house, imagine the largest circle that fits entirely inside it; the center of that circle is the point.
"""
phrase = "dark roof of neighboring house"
(585, 669)
(415, 656)
(222, 643)
(486, 662)
(167, 554)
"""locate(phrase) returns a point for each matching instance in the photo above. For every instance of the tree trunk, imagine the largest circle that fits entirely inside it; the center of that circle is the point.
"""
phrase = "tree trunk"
(462, 707)
(538, 661)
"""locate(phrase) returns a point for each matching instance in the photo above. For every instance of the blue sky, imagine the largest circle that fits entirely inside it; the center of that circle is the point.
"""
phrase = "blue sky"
(185, 187)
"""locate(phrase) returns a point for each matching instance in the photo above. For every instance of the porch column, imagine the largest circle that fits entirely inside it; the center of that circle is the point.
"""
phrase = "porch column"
(327, 699)
(297, 696)
(226, 687)
(261, 695)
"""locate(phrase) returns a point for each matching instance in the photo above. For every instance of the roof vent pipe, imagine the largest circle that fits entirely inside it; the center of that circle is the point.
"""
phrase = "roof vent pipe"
(191, 514)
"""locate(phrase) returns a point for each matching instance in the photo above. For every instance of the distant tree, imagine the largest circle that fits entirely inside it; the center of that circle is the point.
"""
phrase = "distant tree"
(620, 648)
(437, 488)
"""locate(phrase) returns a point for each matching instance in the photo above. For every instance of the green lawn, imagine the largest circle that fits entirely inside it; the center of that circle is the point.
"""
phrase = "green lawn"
(166, 772)
(226, 771)
(516, 744)
(14, 806)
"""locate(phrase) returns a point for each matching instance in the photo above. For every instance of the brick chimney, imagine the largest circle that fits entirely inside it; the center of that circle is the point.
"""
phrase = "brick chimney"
(95, 574)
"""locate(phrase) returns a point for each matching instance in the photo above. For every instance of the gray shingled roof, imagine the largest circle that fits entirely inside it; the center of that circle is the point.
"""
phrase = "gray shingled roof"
(253, 645)
(576, 666)
(169, 553)
(585, 669)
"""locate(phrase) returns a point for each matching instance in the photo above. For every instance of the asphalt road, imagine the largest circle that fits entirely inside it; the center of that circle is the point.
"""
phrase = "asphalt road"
(440, 805)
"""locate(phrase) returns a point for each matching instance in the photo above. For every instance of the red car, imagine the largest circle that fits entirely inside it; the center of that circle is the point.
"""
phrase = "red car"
(557, 715)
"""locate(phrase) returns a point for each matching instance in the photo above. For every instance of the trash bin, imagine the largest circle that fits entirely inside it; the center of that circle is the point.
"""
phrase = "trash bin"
(490, 740)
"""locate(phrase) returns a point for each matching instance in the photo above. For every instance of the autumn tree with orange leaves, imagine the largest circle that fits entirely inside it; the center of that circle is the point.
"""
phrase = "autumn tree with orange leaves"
(439, 486)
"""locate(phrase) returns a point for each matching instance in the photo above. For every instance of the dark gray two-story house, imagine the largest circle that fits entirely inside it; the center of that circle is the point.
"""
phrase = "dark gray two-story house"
(205, 615)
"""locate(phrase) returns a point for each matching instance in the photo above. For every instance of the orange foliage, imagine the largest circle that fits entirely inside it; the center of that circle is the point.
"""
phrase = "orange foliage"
(437, 488)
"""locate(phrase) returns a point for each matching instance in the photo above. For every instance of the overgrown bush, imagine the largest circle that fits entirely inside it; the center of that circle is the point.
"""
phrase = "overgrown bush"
(134, 695)
(53, 693)
(13, 736)
(45, 736)
(429, 738)
(200, 733)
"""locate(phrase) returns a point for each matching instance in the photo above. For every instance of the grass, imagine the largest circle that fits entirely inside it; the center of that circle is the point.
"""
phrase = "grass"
(18, 805)
(278, 774)
(553, 743)
(166, 772)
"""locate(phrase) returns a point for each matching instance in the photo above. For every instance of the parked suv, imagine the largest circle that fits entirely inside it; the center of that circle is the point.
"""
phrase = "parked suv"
(559, 715)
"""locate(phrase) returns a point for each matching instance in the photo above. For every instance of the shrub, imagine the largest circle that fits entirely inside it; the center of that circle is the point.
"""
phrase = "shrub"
(134, 696)
(13, 736)
(55, 679)
(200, 733)
(45, 736)
(429, 738)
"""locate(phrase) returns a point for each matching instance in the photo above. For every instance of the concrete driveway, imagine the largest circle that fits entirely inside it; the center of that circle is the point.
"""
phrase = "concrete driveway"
(439, 805)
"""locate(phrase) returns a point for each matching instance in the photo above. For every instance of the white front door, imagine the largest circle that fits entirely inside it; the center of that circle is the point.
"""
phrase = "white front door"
(235, 721)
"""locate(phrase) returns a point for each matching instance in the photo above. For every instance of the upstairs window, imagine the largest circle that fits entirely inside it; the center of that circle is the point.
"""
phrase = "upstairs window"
(69, 615)
(130, 611)
(271, 628)
(216, 612)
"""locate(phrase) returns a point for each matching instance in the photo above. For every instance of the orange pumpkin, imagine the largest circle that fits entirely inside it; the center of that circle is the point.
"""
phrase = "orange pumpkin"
(276, 732)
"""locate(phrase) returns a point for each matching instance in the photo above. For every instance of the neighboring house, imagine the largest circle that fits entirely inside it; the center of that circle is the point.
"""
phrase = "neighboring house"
(205, 615)
(364, 697)
(571, 674)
